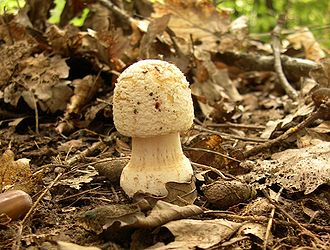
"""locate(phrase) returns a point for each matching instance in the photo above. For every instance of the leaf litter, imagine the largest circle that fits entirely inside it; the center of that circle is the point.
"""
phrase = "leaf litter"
(56, 87)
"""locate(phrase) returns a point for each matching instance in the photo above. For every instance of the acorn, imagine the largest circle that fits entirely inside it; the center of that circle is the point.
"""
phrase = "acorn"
(320, 97)
(15, 203)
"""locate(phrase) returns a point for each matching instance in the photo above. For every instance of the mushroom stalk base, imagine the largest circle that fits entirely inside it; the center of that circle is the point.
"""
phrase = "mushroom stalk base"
(154, 162)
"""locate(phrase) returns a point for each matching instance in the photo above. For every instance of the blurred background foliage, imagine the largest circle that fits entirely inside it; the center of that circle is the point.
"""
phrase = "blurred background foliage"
(262, 15)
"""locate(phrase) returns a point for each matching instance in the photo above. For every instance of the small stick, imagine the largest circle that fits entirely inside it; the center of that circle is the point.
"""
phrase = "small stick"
(264, 219)
(228, 136)
(305, 123)
(286, 214)
(276, 45)
(17, 243)
(234, 125)
(218, 172)
(96, 146)
(211, 152)
(270, 222)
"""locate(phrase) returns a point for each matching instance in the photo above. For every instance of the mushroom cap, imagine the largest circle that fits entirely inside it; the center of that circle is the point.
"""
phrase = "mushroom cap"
(152, 97)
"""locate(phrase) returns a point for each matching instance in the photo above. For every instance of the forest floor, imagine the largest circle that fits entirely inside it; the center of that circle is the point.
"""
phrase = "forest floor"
(259, 146)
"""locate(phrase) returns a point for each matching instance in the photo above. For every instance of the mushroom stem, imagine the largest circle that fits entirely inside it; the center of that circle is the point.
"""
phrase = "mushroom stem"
(154, 162)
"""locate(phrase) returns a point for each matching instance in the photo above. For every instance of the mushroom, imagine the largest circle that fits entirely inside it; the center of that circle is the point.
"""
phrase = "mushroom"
(152, 104)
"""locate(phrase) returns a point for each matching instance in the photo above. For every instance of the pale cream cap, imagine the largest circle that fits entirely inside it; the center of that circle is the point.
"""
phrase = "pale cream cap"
(152, 97)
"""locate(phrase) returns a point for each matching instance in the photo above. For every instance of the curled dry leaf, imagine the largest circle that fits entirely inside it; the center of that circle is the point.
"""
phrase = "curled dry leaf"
(15, 173)
(197, 234)
(123, 217)
(305, 39)
(179, 194)
(85, 90)
(156, 27)
(224, 194)
(215, 91)
(273, 126)
(322, 73)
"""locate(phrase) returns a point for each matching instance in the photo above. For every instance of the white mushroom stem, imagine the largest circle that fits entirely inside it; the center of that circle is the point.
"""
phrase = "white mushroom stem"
(154, 162)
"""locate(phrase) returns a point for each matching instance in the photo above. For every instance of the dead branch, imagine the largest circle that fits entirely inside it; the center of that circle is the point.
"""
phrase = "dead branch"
(293, 67)
(17, 243)
(264, 219)
(276, 46)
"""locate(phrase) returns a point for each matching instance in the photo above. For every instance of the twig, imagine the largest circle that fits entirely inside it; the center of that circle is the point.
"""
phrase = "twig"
(211, 152)
(286, 214)
(270, 222)
(228, 136)
(118, 11)
(218, 172)
(234, 125)
(36, 113)
(17, 243)
(264, 219)
(293, 67)
(276, 46)
(305, 123)
(96, 146)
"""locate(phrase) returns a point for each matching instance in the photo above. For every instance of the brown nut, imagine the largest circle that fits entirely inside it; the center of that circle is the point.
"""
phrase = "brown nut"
(15, 203)
(321, 95)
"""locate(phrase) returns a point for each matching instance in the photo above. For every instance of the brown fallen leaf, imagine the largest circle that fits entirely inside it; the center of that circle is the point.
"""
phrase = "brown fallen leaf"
(15, 174)
(296, 170)
(197, 234)
(122, 217)
(200, 21)
(156, 27)
(322, 73)
(41, 81)
(305, 39)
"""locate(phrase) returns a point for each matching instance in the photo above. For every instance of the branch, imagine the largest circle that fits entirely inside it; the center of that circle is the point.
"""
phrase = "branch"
(293, 67)
(276, 46)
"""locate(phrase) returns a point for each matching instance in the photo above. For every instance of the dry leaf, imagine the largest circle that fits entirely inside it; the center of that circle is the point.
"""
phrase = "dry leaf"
(156, 27)
(15, 173)
(303, 38)
(84, 90)
(256, 229)
(202, 22)
(123, 217)
(41, 81)
(215, 92)
(178, 193)
(322, 73)
(62, 245)
(77, 182)
(297, 170)
(197, 234)
(272, 126)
